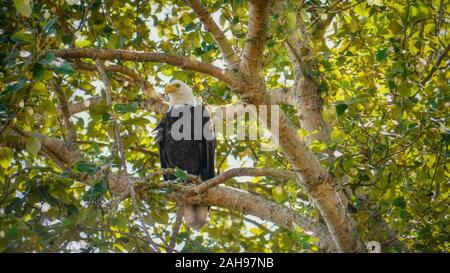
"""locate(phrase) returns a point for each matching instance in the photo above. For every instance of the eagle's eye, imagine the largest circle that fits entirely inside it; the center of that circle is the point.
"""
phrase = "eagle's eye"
(177, 85)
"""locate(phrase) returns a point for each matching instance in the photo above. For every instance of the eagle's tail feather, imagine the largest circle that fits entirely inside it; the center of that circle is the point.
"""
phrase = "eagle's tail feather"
(195, 215)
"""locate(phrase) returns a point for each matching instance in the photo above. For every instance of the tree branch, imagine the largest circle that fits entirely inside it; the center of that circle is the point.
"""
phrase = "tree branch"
(55, 149)
(221, 178)
(221, 40)
(116, 128)
(84, 105)
(219, 196)
(265, 209)
(255, 41)
(77, 64)
(140, 56)
(132, 148)
(65, 113)
(119, 143)
(283, 95)
(176, 229)
(321, 26)
(443, 55)
(307, 95)
(247, 203)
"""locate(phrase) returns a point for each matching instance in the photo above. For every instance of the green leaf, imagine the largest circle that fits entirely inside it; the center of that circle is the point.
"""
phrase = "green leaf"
(278, 193)
(446, 137)
(16, 86)
(92, 216)
(96, 147)
(23, 7)
(66, 39)
(38, 72)
(297, 228)
(59, 65)
(120, 220)
(126, 108)
(404, 90)
(100, 187)
(6, 156)
(61, 194)
(63, 67)
(399, 202)
(49, 25)
(160, 217)
(47, 59)
(362, 9)
(341, 108)
(291, 20)
(14, 205)
(39, 87)
(87, 167)
(391, 84)
(180, 75)
(381, 55)
(300, 239)
(106, 116)
(337, 136)
(191, 26)
(324, 87)
(419, 12)
(22, 36)
(33, 145)
(180, 174)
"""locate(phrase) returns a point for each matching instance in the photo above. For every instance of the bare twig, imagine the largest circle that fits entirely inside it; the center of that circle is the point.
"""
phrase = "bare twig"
(176, 228)
(120, 148)
(116, 128)
(65, 112)
(435, 67)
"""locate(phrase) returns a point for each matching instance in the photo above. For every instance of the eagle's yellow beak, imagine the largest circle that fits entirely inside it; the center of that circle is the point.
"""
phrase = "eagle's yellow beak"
(170, 88)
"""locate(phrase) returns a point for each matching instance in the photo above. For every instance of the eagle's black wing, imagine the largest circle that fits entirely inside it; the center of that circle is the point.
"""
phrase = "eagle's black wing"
(194, 156)
(207, 149)
(161, 133)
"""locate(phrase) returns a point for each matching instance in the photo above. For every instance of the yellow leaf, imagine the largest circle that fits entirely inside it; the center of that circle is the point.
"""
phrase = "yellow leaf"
(23, 7)
(362, 9)
(39, 87)
(241, 12)
(337, 136)
(340, 95)
(82, 43)
(256, 231)
(382, 89)
(302, 132)
(33, 145)
(297, 228)
(6, 156)
(291, 20)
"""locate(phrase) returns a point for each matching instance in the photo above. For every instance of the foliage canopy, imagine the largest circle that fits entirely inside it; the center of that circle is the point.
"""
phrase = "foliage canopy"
(383, 76)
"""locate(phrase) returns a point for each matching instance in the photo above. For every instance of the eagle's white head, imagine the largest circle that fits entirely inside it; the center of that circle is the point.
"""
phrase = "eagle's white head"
(180, 93)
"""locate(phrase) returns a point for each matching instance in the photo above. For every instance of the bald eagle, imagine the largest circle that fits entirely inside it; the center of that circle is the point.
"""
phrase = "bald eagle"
(186, 141)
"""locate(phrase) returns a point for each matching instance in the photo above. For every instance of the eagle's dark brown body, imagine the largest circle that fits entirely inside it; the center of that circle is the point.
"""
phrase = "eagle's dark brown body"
(193, 155)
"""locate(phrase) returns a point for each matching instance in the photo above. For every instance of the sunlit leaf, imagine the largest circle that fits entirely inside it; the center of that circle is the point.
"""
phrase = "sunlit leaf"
(23, 7)
(33, 145)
